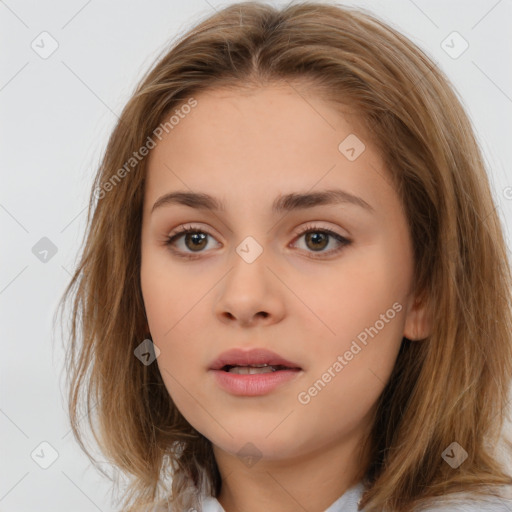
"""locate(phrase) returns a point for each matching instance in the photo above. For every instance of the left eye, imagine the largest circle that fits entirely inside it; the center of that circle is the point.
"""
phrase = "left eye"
(196, 239)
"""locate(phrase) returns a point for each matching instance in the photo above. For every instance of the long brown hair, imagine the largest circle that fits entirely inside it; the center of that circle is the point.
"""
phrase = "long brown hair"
(450, 387)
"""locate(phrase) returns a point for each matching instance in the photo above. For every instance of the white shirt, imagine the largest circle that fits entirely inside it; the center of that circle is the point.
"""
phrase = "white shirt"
(349, 502)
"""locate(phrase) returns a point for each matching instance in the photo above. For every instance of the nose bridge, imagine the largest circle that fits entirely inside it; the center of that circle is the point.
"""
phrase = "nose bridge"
(249, 231)
(251, 248)
(248, 261)
(252, 256)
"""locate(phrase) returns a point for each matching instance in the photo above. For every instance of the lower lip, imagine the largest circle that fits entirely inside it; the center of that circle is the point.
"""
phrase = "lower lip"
(255, 384)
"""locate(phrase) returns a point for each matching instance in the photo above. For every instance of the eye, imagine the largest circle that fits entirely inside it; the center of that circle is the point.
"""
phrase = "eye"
(317, 239)
(195, 240)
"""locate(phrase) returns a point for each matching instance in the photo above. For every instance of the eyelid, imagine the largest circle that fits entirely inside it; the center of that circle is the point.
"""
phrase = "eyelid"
(190, 227)
(317, 225)
(310, 225)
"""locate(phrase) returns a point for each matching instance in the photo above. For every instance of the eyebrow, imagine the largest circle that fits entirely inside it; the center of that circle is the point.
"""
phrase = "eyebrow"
(284, 203)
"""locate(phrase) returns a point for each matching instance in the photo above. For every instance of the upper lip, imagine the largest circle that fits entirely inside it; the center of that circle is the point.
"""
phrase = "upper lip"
(241, 357)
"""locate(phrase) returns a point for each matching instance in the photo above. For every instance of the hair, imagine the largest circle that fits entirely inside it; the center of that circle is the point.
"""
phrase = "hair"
(451, 386)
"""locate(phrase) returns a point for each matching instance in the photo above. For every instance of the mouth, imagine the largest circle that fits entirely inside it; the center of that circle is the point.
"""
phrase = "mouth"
(256, 372)
(255, 369)
(250, 362)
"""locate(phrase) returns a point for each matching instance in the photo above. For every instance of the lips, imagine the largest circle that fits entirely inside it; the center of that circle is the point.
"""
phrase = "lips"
(253, 357)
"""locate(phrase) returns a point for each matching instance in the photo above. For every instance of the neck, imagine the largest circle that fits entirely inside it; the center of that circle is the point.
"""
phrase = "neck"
(311, 481)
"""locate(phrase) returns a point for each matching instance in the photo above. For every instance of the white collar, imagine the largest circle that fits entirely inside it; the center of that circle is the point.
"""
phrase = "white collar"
(347, 502)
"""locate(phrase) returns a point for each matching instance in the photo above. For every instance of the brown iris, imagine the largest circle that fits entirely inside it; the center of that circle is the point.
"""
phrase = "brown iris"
(313, 236)
(198, 240)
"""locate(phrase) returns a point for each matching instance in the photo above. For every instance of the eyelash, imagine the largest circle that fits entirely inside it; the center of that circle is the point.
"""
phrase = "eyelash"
(183, 230)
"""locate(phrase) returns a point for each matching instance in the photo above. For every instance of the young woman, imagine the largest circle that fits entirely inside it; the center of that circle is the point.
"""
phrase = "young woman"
(294, 292)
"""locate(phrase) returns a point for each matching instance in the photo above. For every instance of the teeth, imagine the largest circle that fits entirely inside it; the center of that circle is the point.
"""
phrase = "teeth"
(250, 370)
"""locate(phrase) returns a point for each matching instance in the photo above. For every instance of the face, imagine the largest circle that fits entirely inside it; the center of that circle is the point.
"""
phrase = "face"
(325, 285)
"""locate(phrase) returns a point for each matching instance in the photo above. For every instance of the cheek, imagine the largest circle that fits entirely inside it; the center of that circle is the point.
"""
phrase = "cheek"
(354, 299)
(170, 305)
(163, 291)
(364, 321)
(180, 365)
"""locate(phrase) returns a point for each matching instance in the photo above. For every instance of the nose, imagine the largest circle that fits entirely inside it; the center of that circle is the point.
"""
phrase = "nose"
(251, 294)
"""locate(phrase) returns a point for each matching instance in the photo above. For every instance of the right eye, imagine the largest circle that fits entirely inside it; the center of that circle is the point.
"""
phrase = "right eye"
(192, 234)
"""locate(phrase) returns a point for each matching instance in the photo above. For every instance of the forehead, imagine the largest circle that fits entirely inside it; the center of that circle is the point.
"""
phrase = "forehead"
(256, 141)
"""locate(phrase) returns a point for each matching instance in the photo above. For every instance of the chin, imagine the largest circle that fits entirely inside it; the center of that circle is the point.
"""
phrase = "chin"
(255, 444)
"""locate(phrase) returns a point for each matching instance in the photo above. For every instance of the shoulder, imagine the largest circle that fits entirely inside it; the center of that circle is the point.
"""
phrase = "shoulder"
(211, 504)
(466, 502)
(473, 506)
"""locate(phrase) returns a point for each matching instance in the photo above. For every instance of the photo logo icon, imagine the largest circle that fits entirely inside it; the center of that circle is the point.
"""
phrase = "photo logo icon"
(44, 250)
(454, 455)
(351, 147)
(44, 45)
(147, 352)
(249, 249)
(454, 45)
(44, 455)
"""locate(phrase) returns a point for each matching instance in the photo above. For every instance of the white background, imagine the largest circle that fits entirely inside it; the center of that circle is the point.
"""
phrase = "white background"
(56, 116)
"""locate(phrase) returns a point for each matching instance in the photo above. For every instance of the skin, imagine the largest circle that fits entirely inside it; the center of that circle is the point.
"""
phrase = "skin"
(247, 148)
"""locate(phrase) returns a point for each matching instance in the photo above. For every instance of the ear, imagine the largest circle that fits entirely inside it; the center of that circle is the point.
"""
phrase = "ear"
(418, 322)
